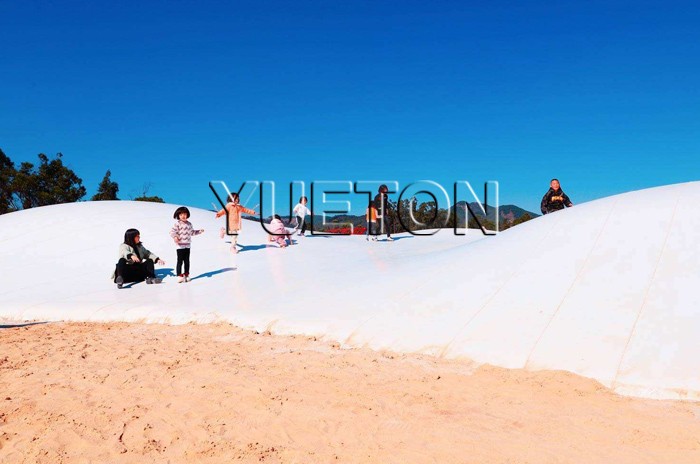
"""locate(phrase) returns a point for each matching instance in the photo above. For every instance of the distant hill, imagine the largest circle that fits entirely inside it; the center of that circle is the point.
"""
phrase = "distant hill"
(508, 214)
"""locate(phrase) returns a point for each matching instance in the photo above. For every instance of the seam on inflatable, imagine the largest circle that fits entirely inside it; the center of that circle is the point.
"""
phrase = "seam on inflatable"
(447, 346)
(646, 293)
(573, 284)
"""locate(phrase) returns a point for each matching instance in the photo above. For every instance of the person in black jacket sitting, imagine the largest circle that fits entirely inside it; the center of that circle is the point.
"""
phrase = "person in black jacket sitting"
(555, 199)
(136, 263)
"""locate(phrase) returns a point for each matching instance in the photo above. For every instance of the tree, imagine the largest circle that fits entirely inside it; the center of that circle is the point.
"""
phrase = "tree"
(524, 218)
(145, 197)
(153, 199)
(7, 177)
(107, 190)
(49, 184)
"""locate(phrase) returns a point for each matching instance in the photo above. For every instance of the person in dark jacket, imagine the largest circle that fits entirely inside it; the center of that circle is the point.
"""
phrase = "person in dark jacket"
(136, 263)
(555, 199)
(381, 203)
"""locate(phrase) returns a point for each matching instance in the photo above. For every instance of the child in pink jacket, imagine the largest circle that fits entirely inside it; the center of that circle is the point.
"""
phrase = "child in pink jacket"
(234, 210)
(279, 233)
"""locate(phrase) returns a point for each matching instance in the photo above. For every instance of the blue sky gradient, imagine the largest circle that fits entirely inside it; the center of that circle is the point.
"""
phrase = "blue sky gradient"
(603, 95)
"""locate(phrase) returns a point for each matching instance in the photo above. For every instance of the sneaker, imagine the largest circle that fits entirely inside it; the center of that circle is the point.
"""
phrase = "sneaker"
(119, 281)
(187, 279)
(180, 279)
(234, 250)
(148, 280)
(153, 280)
(389, 239)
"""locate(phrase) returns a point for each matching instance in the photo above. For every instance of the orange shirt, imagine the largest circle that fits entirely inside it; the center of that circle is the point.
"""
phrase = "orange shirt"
(234, 215)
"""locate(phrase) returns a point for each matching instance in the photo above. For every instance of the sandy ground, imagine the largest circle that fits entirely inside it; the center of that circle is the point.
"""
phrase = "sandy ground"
(132, 393)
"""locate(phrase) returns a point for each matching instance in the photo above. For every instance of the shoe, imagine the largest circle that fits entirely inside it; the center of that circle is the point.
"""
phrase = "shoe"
(389, 239)
(153, 280)
(119, 281)
(148, 280)
(180, 279)
(187, 278)
(374, 238)
(234, 250)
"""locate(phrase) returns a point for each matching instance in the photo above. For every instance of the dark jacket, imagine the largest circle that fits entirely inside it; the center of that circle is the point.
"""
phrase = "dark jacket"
(382, 204)
(554, 200)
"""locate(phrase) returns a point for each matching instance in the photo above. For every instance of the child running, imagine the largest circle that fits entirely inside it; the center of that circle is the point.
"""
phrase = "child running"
(234, 210)
(300, 212)
(279, 233)
(182, 233)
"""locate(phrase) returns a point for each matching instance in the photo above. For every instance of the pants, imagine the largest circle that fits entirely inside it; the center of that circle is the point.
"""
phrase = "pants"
(183, 256)
(234, 238)
(372, 228)
(301, 221)
(281, 239)
(135, 272)
(385, 225)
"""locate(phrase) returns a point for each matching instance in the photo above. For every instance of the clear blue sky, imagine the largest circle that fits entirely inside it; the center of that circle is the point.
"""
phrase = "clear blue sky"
(604, 95)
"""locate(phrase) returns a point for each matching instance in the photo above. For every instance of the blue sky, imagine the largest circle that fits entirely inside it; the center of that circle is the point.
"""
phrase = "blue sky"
(603, 95)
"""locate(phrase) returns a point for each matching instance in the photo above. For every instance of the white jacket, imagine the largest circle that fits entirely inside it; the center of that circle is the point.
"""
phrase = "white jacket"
(301, 210)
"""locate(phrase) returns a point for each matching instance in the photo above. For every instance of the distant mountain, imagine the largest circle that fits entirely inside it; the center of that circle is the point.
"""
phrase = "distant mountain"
(507, 213)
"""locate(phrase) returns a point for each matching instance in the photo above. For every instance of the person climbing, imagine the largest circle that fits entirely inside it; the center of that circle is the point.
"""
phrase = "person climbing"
(278, 233)
(555, 199)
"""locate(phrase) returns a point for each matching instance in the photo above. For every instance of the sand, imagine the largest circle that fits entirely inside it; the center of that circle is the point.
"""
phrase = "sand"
(139, 393)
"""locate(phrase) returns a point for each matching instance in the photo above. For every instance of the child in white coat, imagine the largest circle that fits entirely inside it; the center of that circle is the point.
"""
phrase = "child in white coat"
(300, 212)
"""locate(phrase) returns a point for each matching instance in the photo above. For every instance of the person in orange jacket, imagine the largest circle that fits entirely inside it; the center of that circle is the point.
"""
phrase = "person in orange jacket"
(371, 217)
(234, 210)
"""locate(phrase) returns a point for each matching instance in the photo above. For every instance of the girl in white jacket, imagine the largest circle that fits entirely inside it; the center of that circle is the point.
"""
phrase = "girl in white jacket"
(300, 212)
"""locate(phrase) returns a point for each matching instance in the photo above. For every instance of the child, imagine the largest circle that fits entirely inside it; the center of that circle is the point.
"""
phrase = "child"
(300, 212)
(555, 199)
(182, 233)
(234, 210)
(381, 202)
(279, 233)
(371, 216)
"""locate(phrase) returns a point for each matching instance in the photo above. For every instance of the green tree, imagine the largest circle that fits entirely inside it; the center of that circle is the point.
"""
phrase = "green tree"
(153, 199)
(524, 218)
(49, 184)
(7, 177)
(107, 190)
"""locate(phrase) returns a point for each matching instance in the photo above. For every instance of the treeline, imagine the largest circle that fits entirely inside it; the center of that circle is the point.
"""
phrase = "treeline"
(50, 182)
